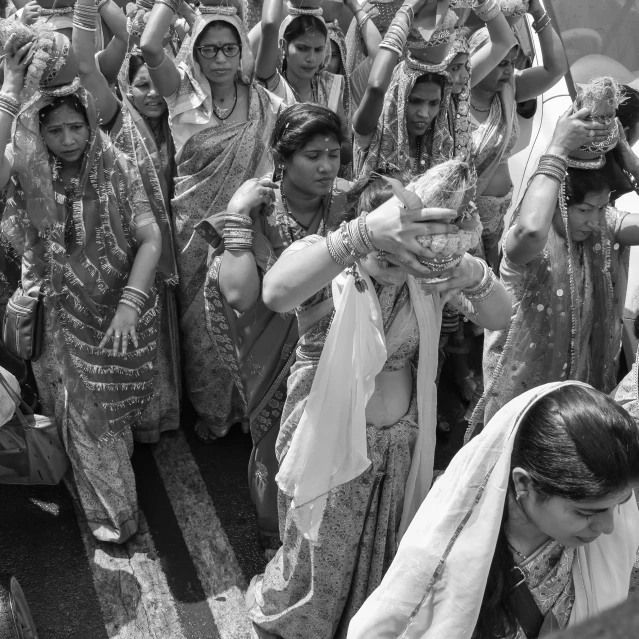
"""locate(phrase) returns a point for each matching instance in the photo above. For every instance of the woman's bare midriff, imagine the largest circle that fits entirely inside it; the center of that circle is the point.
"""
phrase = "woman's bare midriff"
(500, 183)
(391, 398)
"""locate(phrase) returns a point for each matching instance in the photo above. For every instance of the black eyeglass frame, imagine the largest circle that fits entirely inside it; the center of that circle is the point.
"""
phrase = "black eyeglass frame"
(217, 49)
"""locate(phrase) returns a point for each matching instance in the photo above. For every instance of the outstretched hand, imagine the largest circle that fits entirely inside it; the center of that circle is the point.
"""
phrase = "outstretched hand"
(122, 328)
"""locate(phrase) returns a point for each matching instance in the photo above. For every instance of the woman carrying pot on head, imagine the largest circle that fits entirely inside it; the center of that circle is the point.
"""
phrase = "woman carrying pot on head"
(532, 528)
(221, 123)
(262, 219)
(363, 388)
(565, 261)
(78, 215)
(408, 118)
(493, 113)
(139, 129)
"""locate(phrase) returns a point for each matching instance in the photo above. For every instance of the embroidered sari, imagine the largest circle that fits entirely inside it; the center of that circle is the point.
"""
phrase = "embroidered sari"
(435, 587)
(312, 589)
(132, 135)
(492, 142)
(212, 164)
(258, 346)
(79, 247)
(539, 346)
(447, 137)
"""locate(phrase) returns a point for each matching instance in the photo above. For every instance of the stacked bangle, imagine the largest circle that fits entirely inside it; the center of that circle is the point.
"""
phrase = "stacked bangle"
(553, 166)
(171, 4)
(484, 289)
(100, 4)
(85, 17)
(237, 238)
(542, 23)
(362, 22)
(397, 34)
(55, 12)
(236, 219)
(134, 297)
(350, 242)
(9, 104)
(488, 10)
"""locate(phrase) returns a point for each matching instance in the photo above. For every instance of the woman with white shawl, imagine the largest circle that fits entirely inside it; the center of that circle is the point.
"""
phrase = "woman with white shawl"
(357, 437)
(533, 525)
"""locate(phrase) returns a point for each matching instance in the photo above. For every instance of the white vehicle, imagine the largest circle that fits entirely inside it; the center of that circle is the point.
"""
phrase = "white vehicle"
(600, 38)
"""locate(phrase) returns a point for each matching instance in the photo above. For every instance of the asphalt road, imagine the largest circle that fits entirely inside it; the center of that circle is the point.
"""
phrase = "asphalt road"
(184, 575)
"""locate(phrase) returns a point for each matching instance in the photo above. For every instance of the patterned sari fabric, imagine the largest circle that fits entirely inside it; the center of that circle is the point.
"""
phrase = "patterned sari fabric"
(213, 164)
(313, 589)
(336, 35)
(132, 135)
(539, 346)
(78, 244)
(258, 346)
(549, 578)
(448, 137)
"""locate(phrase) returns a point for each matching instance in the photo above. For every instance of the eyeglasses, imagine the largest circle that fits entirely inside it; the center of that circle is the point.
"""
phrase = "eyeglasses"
(209, 51)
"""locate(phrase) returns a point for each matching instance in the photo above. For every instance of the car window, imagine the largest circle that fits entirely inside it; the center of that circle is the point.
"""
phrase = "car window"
(600, 38)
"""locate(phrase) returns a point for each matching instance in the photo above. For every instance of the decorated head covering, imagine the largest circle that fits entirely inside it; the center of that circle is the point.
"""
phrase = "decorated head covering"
(193, 103)
(435, 585)
(389, 148)
(444, 33)
(54, 63)
(297, 12)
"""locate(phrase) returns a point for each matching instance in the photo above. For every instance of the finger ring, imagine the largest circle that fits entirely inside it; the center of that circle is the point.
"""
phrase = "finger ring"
(116, 336)
(592, 133)
(381, 259)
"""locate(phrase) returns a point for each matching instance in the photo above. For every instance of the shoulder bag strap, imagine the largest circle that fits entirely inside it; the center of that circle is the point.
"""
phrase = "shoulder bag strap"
(526, 609)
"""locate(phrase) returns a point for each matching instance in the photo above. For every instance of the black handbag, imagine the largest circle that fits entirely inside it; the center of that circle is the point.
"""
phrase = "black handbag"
(23, 324)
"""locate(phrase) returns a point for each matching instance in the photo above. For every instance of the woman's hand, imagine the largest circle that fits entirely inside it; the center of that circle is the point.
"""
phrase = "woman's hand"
(15, 66)
(536, 9)
(467, 274)
(251, 195)
(574, 130)
(395, 230)
(30, 13)
(122, 327)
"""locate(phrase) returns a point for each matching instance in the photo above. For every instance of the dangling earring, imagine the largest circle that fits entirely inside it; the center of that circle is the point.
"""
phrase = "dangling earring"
(519, 494)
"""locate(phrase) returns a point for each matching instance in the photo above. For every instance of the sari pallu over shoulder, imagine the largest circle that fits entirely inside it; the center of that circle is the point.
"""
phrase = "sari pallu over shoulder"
(213, 164)
(536, 348)
(83, 276)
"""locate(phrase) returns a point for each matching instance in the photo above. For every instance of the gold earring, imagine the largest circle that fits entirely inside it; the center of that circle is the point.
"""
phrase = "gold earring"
(519, 494)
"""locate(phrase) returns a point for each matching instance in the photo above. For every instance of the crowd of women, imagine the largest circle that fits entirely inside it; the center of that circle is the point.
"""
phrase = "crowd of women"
(299, 227)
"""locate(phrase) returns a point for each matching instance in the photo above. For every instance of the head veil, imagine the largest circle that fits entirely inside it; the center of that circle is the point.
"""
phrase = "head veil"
(293, 14)
(390, 145)
(435, 585)
(83, 276)
(336, 35)
(193, 95)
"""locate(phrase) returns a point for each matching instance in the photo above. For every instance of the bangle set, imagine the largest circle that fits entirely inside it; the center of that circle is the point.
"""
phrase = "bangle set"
(397, 34)
(362, 22)
(488, 10)
(85, 17)
(174, 5)
(350, 242)
(485, 288)
(553, 166)
(238, 232)
(542, 23)
(9, 104)
(134, 297)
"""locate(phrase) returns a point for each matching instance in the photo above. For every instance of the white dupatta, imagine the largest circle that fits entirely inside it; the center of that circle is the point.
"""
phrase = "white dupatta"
(329, 446)
(435, 585)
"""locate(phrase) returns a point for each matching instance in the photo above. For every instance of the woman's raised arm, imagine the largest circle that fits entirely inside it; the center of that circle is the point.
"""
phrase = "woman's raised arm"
(83, 42)
(163, 71)
(268, 49)
(111, 58)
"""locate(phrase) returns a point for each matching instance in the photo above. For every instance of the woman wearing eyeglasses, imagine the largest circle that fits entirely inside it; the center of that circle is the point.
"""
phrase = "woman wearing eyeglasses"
(221, 124)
